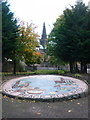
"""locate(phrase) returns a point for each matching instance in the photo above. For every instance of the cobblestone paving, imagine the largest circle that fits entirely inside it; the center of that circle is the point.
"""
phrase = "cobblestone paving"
(77, 108)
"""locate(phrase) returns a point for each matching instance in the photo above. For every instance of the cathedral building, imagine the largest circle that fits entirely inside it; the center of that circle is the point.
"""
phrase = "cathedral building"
(43, 42)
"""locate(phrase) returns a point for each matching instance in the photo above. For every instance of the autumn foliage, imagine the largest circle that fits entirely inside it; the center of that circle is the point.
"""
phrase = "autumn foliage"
(28, 41)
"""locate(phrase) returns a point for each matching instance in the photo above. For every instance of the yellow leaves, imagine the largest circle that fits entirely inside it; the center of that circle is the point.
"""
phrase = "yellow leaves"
(37, 57)
(28, 30)
(4, 96)
(27, 33)
(28, 39)
(28, 42)
(28, 50)
(37, 54)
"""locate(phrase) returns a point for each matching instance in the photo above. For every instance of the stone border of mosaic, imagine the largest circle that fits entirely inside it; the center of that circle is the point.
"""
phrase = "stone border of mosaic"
(50, 97)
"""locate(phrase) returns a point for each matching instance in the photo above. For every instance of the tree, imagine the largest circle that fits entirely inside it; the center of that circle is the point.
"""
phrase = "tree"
(28, 41)
(52, 53)
(83, 34)
(9, 33)
(70, 36)
(36, 58)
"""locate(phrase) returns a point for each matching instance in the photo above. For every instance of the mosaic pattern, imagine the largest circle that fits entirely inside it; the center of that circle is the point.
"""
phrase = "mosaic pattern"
(44, 86)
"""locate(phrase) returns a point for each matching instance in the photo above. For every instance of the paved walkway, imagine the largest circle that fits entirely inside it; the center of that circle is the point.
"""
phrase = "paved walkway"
(77, 108)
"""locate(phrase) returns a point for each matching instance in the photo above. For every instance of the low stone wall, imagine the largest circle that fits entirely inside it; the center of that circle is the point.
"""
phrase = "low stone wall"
(88, 70)
(47, 68)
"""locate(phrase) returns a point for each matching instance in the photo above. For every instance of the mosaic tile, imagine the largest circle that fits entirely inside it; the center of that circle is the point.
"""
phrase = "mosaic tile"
(44, 86)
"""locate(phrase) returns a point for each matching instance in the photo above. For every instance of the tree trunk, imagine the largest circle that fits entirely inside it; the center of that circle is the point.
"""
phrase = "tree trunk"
(14, 67)
(3, 65)
(71, 67)
(76, 68)
(58, 67)
(83, 67)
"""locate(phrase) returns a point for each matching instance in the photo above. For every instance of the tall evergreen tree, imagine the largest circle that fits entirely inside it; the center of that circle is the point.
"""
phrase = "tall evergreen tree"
(71, 36)
(9, 34)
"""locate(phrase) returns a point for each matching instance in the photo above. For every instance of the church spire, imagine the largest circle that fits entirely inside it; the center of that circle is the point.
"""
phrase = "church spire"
(44, 31)
(44, 36)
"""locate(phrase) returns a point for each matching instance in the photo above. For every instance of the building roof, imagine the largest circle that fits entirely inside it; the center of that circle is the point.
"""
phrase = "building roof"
(41, 47)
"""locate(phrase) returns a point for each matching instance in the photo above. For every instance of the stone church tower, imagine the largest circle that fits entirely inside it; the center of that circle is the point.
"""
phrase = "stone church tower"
(43, 40)
(43, 43)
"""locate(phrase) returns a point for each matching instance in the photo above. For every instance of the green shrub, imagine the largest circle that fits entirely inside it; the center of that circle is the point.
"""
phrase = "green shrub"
(36, 72)
(6, 73)
(17, 73)
(77, 75)
(46, 72)
(61, 72)
(25, 73)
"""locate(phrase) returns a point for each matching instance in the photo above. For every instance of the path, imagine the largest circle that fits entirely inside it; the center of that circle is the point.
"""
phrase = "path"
(77, 108)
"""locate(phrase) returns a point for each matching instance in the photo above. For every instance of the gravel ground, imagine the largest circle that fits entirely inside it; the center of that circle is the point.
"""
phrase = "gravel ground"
(72, 109)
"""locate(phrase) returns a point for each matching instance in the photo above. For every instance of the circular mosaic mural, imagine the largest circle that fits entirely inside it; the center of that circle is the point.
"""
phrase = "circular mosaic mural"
(44, 87)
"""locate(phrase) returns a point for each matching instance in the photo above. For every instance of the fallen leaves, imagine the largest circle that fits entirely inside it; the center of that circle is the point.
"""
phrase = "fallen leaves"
(47, 103)
(69, 111)
(49, 106)
(4, 96)
(33, 101)
(38, 113)
(78, 103)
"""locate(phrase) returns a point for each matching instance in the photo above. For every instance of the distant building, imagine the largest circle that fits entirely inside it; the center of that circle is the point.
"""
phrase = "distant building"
(43, 42)
(89, 4)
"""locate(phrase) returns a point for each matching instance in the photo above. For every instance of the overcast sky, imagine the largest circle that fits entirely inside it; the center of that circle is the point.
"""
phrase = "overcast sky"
(39, 11)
